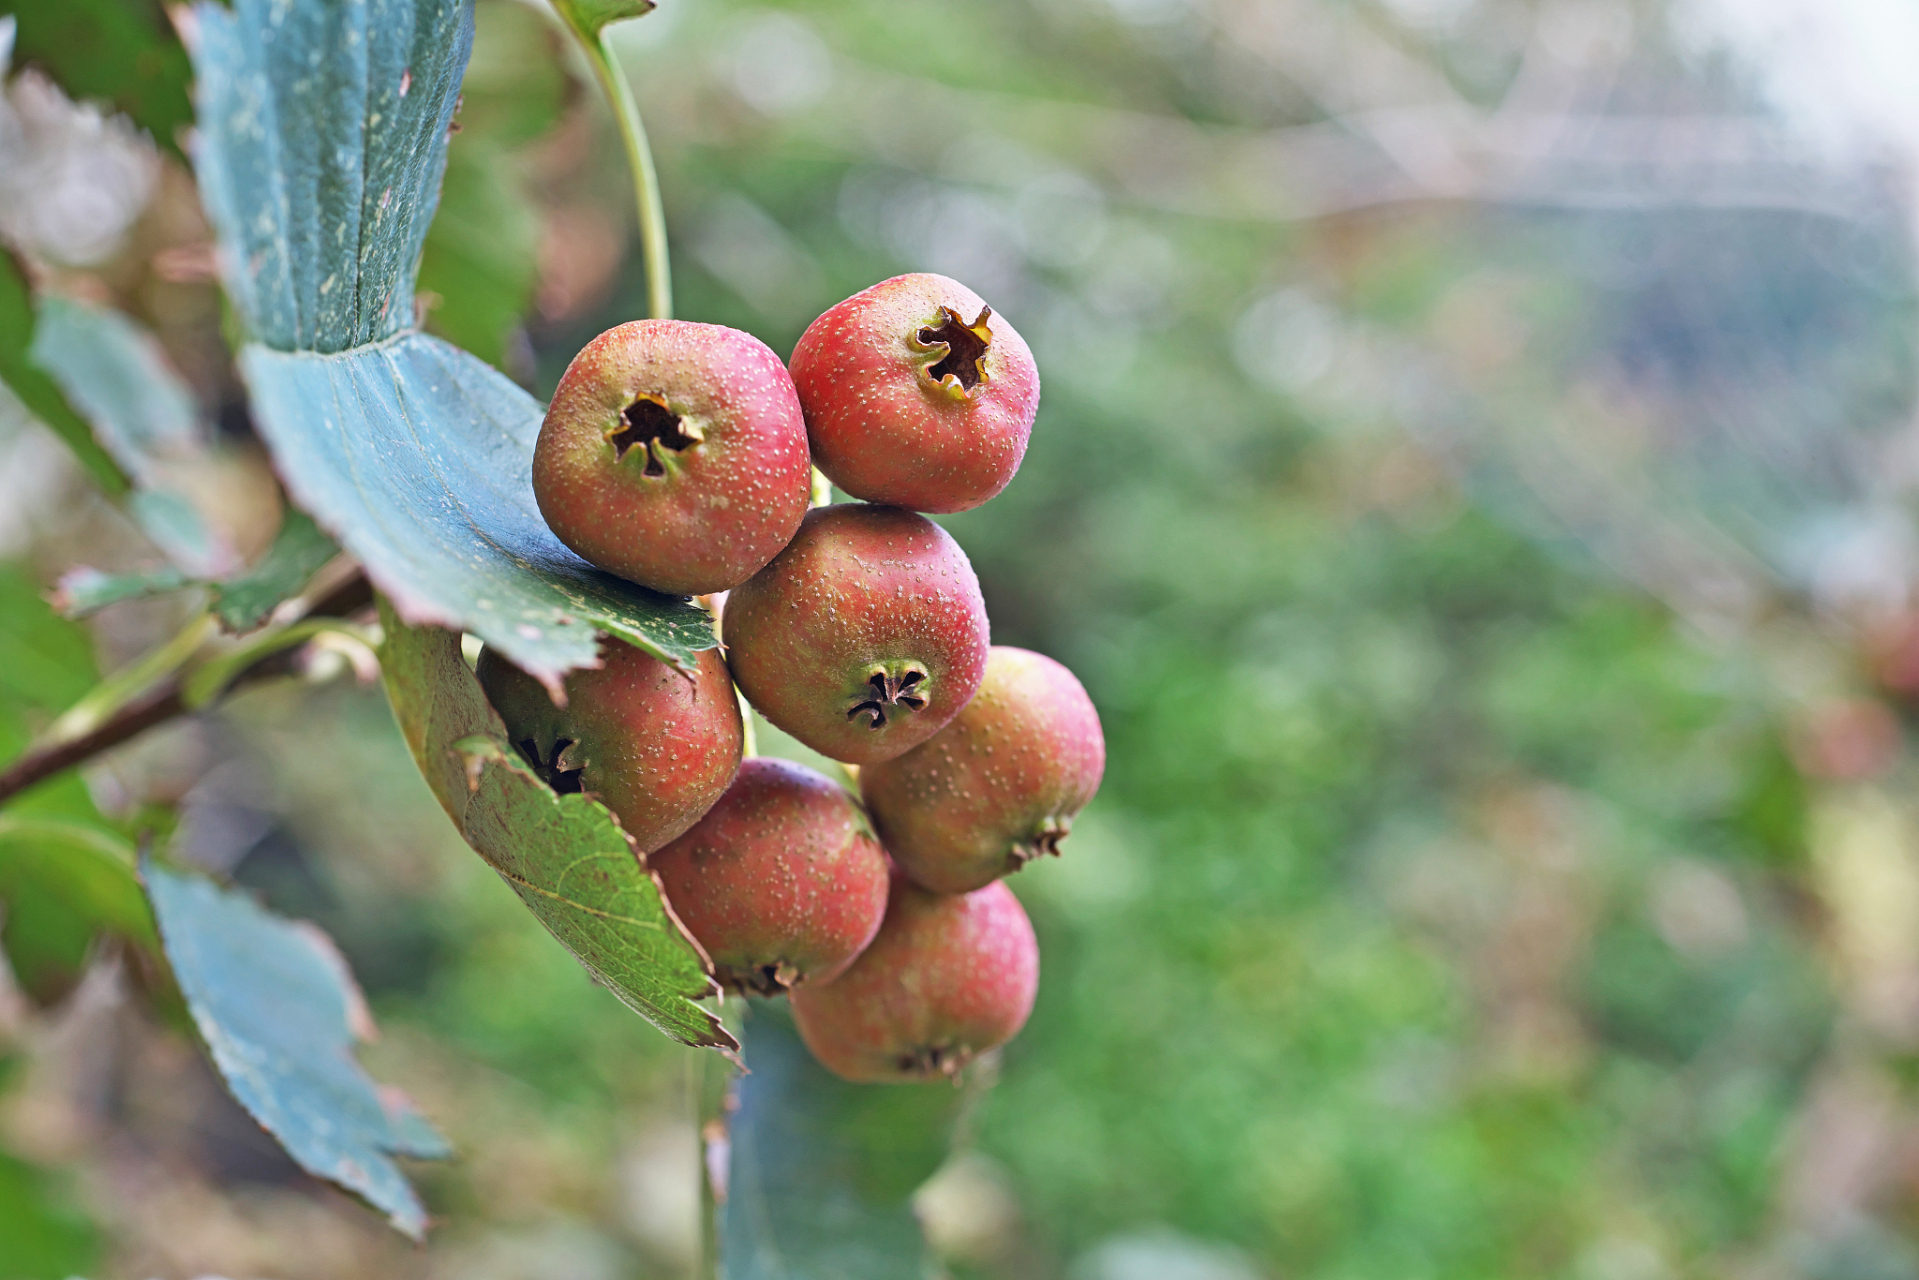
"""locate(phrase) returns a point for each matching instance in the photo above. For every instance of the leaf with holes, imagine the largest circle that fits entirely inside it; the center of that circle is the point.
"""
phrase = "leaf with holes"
(414, 454)
(821, 1173)
(278, 1011)
(565, 855)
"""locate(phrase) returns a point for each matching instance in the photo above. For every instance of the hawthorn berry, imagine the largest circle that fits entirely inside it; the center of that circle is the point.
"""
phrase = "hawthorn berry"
(948, 977)
(782, 881)
(674, 454)
(997, 787)
(656, 747)
(864, 636)
(917, 394)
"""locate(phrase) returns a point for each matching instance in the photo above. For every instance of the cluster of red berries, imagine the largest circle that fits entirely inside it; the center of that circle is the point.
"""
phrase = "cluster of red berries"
(679, 456)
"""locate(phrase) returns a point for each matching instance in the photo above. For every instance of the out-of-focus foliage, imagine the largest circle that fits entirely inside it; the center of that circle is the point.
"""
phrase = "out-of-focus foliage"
(1469, 484)
(42, 1233)
(140, 411)
(482, 253)
(122, 52)
(66, 874)
(821, 1173)
(298, 552)
(38, 392)
(279, 1013)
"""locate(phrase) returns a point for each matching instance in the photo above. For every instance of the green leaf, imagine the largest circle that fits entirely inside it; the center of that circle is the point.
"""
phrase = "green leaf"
(298, 552)
(415, 455)
(564, 855)
(43, 1232)
(588, 17)
(114, 373)
(421, 457)
(821, 1173)
(46, 662)
(85, 591)
(121, 51)
(274, 1003)
(322, 136)
(39, 393)
(65, 884)
(66, 875)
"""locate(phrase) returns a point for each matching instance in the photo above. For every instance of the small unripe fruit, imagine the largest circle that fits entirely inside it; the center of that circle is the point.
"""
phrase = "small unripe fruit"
(997, 787)
(782, 881)
(653, 745)
(917, 394)
(862, 638)
(947, 978)
(674, 455)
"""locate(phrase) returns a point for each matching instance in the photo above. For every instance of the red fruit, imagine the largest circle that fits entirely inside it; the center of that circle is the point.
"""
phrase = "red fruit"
(997, 787)
(674, 454)
(782, 881)
(863, 637)
(916, 394)
(655, 746)
(947, 978)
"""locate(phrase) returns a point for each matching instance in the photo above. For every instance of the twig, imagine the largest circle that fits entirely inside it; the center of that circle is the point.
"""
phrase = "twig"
(165, 699)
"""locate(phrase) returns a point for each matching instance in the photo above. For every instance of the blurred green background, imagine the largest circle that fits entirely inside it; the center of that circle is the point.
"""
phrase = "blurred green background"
(1472, 482)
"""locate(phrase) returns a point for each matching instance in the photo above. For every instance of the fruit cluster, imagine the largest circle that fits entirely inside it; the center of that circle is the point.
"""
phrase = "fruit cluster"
(680, 456)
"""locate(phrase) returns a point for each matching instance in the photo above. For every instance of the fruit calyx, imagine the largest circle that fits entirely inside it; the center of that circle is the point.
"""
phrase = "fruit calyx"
(769, 980)
(647, 424)
(963, 367)
(884, 689)
(1043, 843)
(553, 771)
(929, 1060)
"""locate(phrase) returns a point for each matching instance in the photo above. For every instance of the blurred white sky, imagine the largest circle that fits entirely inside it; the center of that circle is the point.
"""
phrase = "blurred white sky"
(1846, 72)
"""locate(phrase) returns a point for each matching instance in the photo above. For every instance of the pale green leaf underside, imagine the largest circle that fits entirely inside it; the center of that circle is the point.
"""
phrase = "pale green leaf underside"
(271, 998)
(322, 142)
(322, 136)
(419, 457)
(564, 855)
(821, 1173)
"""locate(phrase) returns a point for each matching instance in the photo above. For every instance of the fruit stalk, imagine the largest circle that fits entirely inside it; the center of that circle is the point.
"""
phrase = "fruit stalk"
(639, 158)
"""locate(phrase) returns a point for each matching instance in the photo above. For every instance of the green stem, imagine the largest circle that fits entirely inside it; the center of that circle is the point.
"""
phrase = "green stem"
(639, 157)
(122, 688)
(209, 680)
